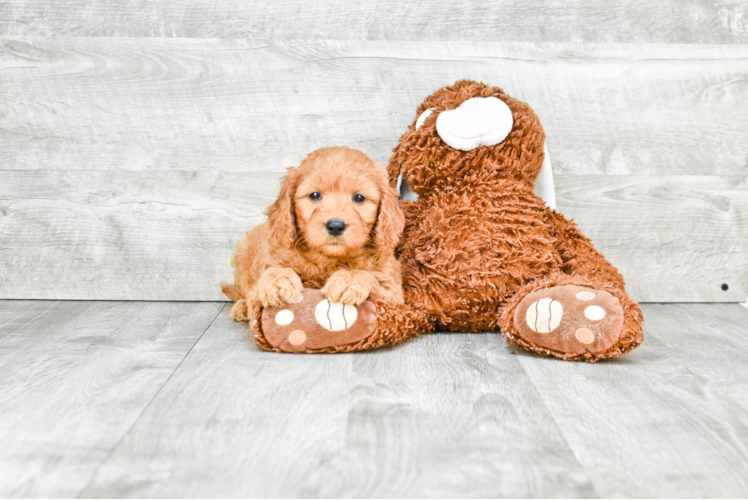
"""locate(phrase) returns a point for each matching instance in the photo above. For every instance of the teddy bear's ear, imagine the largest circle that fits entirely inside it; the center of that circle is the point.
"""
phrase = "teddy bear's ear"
(544, 185)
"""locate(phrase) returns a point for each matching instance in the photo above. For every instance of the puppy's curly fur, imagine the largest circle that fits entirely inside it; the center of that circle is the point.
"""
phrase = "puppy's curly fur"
(294, 248)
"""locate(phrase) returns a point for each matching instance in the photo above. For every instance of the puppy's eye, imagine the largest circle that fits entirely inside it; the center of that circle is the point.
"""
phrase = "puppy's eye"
(315, 196)
(359, 198)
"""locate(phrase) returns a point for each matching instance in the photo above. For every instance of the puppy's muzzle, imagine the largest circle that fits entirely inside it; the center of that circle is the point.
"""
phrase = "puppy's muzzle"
(335, 227)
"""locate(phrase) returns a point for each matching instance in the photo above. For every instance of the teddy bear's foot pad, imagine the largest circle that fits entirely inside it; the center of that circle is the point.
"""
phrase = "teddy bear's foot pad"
(313, 322)
(571, 319)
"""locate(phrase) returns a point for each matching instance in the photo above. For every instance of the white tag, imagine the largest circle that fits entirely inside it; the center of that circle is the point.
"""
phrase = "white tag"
(544, 185)
(404, 190)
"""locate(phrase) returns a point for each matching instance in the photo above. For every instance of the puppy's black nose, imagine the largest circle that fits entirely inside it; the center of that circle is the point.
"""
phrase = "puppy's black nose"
(335, 227)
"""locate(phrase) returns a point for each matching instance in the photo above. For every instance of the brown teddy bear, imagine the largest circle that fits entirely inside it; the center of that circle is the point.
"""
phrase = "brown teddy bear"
(480, 250)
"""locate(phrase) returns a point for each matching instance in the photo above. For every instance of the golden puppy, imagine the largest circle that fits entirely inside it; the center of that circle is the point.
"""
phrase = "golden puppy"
(335, 225)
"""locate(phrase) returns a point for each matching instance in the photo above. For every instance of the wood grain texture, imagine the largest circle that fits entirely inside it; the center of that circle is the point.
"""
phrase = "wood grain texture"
(688, 21)
(710, 339)
(103, 399)
(169, 235)
(447, 415)
(648, 424)
(132, 167)
(125, 235)
(450, 416)
(75, 377)
(674, 238)
(239, 105)
(234, 421)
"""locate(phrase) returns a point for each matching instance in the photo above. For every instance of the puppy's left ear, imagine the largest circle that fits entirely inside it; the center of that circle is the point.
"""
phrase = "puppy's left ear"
(280, 214)
(391, 220)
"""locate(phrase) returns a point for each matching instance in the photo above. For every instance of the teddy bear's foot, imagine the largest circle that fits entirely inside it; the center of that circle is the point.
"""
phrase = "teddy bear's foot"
(312, 323)
(315, 325)
(570, 320)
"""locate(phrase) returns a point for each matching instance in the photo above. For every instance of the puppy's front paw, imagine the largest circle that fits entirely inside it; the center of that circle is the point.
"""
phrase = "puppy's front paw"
(348, 288)
(278, 287)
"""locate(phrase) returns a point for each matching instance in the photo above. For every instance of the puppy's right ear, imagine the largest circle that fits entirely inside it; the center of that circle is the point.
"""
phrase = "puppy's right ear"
(281, 218)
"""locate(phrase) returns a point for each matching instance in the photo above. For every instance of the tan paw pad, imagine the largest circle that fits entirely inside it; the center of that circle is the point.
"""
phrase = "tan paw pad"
(284, 317)
(585, 335)
(297, 337)
(594, 313)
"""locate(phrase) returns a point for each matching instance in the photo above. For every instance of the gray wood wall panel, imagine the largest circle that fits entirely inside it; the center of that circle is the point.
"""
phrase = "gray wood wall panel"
(669, 21)
(169, 235)
(132, 166)
(674, 238)
(143, 104)
(75, 377)
(125, 235)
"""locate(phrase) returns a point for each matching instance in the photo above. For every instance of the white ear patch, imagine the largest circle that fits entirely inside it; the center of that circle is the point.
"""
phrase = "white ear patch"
(422, 119)
(480, 121)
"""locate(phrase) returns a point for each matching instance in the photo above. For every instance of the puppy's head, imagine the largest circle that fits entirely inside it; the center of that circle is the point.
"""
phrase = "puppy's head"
(337, 202)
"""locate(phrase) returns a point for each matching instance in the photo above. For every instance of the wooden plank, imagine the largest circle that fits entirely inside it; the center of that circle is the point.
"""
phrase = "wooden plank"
(169, 235)
(450, 416)
(125, 235)
(710, 339)
(674, 238)
(76, 376)
(446, 415)
(646, 425)
(667, 21)
(243, 105)
(234, 420)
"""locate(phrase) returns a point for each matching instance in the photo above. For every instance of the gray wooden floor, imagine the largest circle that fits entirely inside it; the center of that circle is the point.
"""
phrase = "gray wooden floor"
(162, 399)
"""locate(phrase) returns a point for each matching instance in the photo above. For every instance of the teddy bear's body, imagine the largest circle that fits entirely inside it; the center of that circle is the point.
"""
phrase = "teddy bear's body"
(466, 251)
(482, 252)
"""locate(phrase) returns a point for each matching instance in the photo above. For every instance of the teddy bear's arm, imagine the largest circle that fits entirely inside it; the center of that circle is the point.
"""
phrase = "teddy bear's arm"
(579, 255)
(386, 281)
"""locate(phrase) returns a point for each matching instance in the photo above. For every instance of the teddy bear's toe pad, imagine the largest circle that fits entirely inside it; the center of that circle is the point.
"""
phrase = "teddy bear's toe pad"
(313, 322)
(571, 319)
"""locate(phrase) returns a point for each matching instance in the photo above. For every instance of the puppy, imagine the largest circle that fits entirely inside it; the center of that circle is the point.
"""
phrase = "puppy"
(335, 225)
